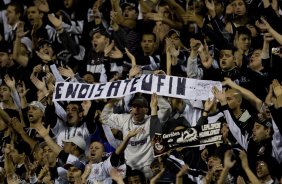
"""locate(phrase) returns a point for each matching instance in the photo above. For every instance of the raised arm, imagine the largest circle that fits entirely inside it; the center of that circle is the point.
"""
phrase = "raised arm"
(248, 95)
(44, 133)
(245, 165)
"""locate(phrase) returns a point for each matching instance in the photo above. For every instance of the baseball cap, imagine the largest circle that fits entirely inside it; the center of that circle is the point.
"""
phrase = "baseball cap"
(42, 42)
(27, 43)
(267, 122)
(139, 101)
(76, 163)
(77, 140)
(100, 30)
(38, 104)
(129, 3)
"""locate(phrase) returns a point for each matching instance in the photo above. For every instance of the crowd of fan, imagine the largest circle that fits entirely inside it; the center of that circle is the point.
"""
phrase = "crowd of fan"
(236, 42)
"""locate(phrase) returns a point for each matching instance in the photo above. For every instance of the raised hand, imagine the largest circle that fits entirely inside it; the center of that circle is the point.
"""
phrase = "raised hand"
(66, 72)
(40, 85)
(211, 7)
(131, 57)
(116, 53)
(42, 131)
(184, 169)
(154, 101)
(220, 95)
(228, 163)
(277, 88)
(11, 83)
(115, 175)
(17, 125)
(44, 57)
(195, 44)
(209, 104)
(57, 22)
(20, 30)
(134, 71)
(22, 89)
(244, 159)
(108, 49)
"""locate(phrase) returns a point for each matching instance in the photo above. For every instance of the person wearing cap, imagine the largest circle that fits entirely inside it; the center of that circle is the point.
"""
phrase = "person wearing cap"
(139, 152)
(104, 58)
(265, 138)
(75, 170)
(75, 146)
(99, 170)
(126, 15)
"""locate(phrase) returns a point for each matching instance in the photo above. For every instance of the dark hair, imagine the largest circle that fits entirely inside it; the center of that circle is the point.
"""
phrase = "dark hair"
(131, 173)
(150, 33)
(243, 30)
(78, 103)
(19, 8)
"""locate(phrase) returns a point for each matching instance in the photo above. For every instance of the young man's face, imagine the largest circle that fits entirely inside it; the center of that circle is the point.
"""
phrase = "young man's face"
(176, 40)
(138, 112)
(5, 93)
(262, 169)
(260, 132)
(33, 15)
(73, 114)
(46, 48)
(4, 59)
(255, 60)
(12, 16)
(226, 60)
(134, 180)
(73, 174)
(148, 44)
(99, 42)
(49, 154)
(243, 42)
(239, 7)
(130, 13)
(34, 114)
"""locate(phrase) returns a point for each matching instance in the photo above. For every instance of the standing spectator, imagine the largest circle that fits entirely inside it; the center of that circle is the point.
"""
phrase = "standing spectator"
(139, 152)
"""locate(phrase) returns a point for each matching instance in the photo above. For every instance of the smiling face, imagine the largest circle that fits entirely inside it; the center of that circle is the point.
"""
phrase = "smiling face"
(96, 152)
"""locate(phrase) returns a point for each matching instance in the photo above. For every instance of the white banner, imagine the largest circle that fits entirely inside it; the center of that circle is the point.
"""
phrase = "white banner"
(162, 85)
